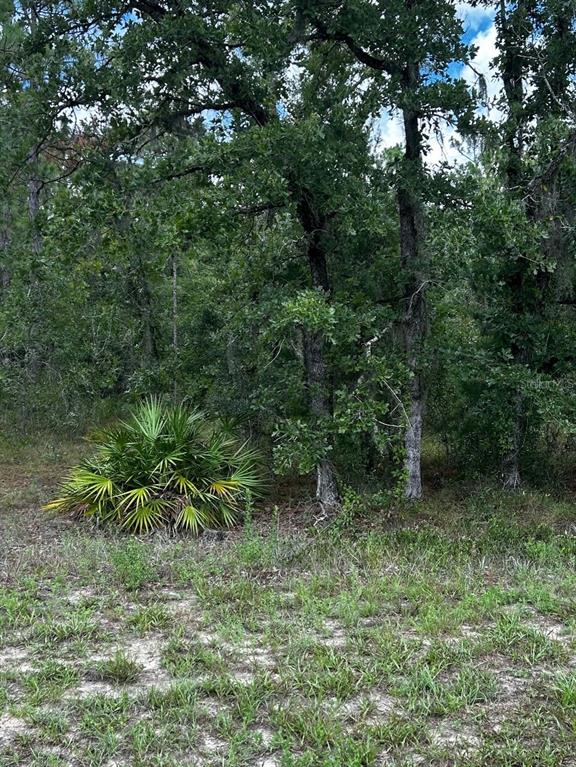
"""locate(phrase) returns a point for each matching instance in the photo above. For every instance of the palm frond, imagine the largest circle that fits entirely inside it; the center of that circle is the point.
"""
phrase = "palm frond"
(228, 515)
(223, 488)
(143, 519)
(184, 484)
(89, 485)
(149, 419)
(134, 498)
(168, 461)
(165, 465)
(194, 518)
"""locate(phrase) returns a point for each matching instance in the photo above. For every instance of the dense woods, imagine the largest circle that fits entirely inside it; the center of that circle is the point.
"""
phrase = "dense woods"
(339, 224)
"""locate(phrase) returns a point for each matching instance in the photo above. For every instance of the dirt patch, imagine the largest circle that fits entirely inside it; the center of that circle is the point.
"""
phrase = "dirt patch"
(146, 652)
(455, 737)
(15, 659)
(379, 705)
(80, 595)
(336, 635)
(10, 728)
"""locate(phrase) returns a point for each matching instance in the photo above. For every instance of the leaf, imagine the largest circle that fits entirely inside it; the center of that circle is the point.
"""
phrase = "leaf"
(194, 518)
(90, 485)
(165, 464)
(149, 419)
(136, 497)
(143, 519)
(184, 485)
(228, 515)
(223, 488)
(168, 462)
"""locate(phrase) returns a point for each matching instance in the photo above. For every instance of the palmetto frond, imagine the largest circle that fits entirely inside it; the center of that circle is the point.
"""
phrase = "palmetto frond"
(195, 518)
(169, 461)
(133, 499)
(225, 488)
(185, 486)
(92, 486)
(164, 466)
(149, 419)
(143, 519)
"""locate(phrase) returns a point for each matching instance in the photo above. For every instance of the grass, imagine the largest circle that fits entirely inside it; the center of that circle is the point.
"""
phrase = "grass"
(439, 635)
(119, 669)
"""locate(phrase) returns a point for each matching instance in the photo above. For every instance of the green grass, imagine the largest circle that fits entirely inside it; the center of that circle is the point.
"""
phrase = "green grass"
(442, 634)
(119, 669)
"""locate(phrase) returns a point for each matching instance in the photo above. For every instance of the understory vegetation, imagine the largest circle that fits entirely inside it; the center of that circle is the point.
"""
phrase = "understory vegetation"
(442, 635)
(166, 466)
(287, 383)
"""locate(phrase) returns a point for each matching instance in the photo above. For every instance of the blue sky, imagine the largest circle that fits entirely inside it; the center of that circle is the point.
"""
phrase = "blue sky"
(480, 31)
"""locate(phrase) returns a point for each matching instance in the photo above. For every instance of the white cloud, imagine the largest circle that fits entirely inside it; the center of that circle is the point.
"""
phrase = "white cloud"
(474, 17)
(445, 146)
(485, 43)
(448, 147)
(388, 131)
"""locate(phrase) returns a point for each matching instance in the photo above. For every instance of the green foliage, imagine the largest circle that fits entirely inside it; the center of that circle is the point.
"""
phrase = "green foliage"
(166, 466)
(132, 565)
(188, 233)
(119, 669)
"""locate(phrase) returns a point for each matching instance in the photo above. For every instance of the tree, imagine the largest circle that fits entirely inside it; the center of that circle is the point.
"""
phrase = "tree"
(411, 44)
(196, 67)
(537, 143)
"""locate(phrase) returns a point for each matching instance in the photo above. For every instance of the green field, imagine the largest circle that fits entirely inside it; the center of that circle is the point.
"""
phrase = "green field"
(439, 635)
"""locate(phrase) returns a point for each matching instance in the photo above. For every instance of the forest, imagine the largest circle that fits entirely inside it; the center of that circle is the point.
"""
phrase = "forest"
(291, 286)
(335, 224)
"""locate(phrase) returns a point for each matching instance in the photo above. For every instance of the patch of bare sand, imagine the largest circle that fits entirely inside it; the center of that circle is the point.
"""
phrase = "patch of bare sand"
(15, 659)
(377, 703)
(146, 652)
(335, 634)
(10, 728)
(455, 737)
(82, 594)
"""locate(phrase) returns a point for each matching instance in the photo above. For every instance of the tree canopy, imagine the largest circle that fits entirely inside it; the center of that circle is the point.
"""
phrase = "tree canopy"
(197, 200)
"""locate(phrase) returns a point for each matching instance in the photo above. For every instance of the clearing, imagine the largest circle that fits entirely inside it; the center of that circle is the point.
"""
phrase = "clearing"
(442, 635)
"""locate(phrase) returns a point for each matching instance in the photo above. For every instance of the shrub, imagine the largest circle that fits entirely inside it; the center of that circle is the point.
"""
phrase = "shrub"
(166, 466)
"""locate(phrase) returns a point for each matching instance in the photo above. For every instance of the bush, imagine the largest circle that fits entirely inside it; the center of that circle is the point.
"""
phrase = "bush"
(166, 466)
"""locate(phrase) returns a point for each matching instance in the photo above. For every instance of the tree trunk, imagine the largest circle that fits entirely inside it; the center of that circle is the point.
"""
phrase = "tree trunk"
(150, 333)
(175, 350)
(511, 477)
(320, 407)
(318, 381)
(326, 485)
(34, 192)
(413, 266)
(513, 32)
(4, 246)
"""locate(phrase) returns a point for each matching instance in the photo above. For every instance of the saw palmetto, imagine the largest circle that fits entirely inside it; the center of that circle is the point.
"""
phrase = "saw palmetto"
(166, 466)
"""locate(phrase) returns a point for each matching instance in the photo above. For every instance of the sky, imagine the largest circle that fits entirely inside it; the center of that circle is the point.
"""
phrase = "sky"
(480, 31)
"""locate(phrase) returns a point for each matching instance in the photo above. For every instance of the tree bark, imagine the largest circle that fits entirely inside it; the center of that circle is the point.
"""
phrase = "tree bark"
(412, 240)
(412, 260)
(34, 192)
(4, 246)
(175, 350)
(513, 34)
(149, 329)
(318, 380)
(511, 477)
